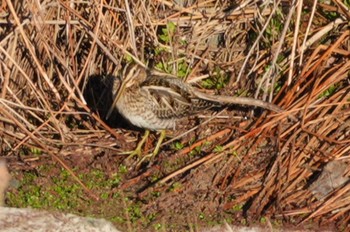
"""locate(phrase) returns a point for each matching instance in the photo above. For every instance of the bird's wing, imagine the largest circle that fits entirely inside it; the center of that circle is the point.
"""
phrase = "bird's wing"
(172, 97)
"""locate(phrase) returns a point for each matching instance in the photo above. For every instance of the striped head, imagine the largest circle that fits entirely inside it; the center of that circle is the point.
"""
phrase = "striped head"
(131, 75)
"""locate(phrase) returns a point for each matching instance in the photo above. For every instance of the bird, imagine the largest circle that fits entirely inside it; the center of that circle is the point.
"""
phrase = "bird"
(157, 101)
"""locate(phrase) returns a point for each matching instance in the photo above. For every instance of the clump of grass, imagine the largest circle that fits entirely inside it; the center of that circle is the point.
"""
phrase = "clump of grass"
(61, 192)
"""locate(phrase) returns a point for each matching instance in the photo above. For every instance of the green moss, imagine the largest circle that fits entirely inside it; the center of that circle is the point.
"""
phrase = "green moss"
(177, 146)
(134, 212)
(218, 148)
(176, 186)
(237, 208)
(217, 81)
(59, 191)
(31, 194)
(158, 226)
(201, 216)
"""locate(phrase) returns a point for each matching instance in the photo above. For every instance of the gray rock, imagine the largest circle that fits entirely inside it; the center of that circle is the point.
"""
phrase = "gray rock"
(18, 220)
(4, 180)
(332, 177)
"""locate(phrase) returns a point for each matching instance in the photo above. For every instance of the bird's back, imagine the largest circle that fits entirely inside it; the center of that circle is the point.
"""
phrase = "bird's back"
(159, 101)
(172, 98)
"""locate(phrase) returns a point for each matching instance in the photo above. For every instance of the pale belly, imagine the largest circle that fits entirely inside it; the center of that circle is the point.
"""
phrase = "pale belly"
(137, 115)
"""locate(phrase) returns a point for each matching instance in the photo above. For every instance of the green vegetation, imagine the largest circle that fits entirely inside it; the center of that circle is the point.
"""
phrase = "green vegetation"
(36, 151)
(274, 29)
(218, 148)
(263, 220)
(59, 195)
(201, 216)
(182, 68)
(347, 3)
(60, 191)
(216, 81)
(157, 226)
(103, 39)
(237, 208)
(196, 151)
(176, 186)
(177, 146)
(330, 91)
(167, 63)
(168, 32)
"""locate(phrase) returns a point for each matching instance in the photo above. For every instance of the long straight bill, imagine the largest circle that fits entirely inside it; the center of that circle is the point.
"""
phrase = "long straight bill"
(121, 89)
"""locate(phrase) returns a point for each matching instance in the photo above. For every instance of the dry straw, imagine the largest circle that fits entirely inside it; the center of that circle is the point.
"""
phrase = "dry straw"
(296, 53)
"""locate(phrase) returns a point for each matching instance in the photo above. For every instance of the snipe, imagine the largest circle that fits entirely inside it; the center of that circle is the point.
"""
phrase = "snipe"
(157, 101)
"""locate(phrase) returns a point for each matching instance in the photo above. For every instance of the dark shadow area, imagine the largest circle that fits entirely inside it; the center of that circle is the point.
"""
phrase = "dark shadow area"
(98, 94)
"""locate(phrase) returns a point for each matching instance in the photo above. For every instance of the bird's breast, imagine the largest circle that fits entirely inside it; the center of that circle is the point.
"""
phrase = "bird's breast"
(138, 110)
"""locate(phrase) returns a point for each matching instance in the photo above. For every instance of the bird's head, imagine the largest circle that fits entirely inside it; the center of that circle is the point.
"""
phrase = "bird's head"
(132, 74)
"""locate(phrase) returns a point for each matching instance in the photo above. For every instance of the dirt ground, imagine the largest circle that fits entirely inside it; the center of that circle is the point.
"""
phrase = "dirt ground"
(141, 198)
(236, 164)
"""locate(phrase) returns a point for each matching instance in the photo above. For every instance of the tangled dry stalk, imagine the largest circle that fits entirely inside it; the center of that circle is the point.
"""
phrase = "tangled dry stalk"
(300, 50)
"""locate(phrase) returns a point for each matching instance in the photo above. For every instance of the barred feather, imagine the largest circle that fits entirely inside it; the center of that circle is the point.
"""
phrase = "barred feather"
(156, 102)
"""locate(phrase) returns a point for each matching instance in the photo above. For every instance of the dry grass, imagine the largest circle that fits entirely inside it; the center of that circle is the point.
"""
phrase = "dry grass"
(49, 50)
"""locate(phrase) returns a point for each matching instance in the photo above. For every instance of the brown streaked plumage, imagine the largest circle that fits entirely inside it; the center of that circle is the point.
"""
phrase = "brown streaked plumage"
(157, 101)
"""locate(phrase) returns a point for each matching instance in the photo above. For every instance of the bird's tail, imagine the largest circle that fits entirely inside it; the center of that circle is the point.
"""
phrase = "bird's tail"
(239, 101)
